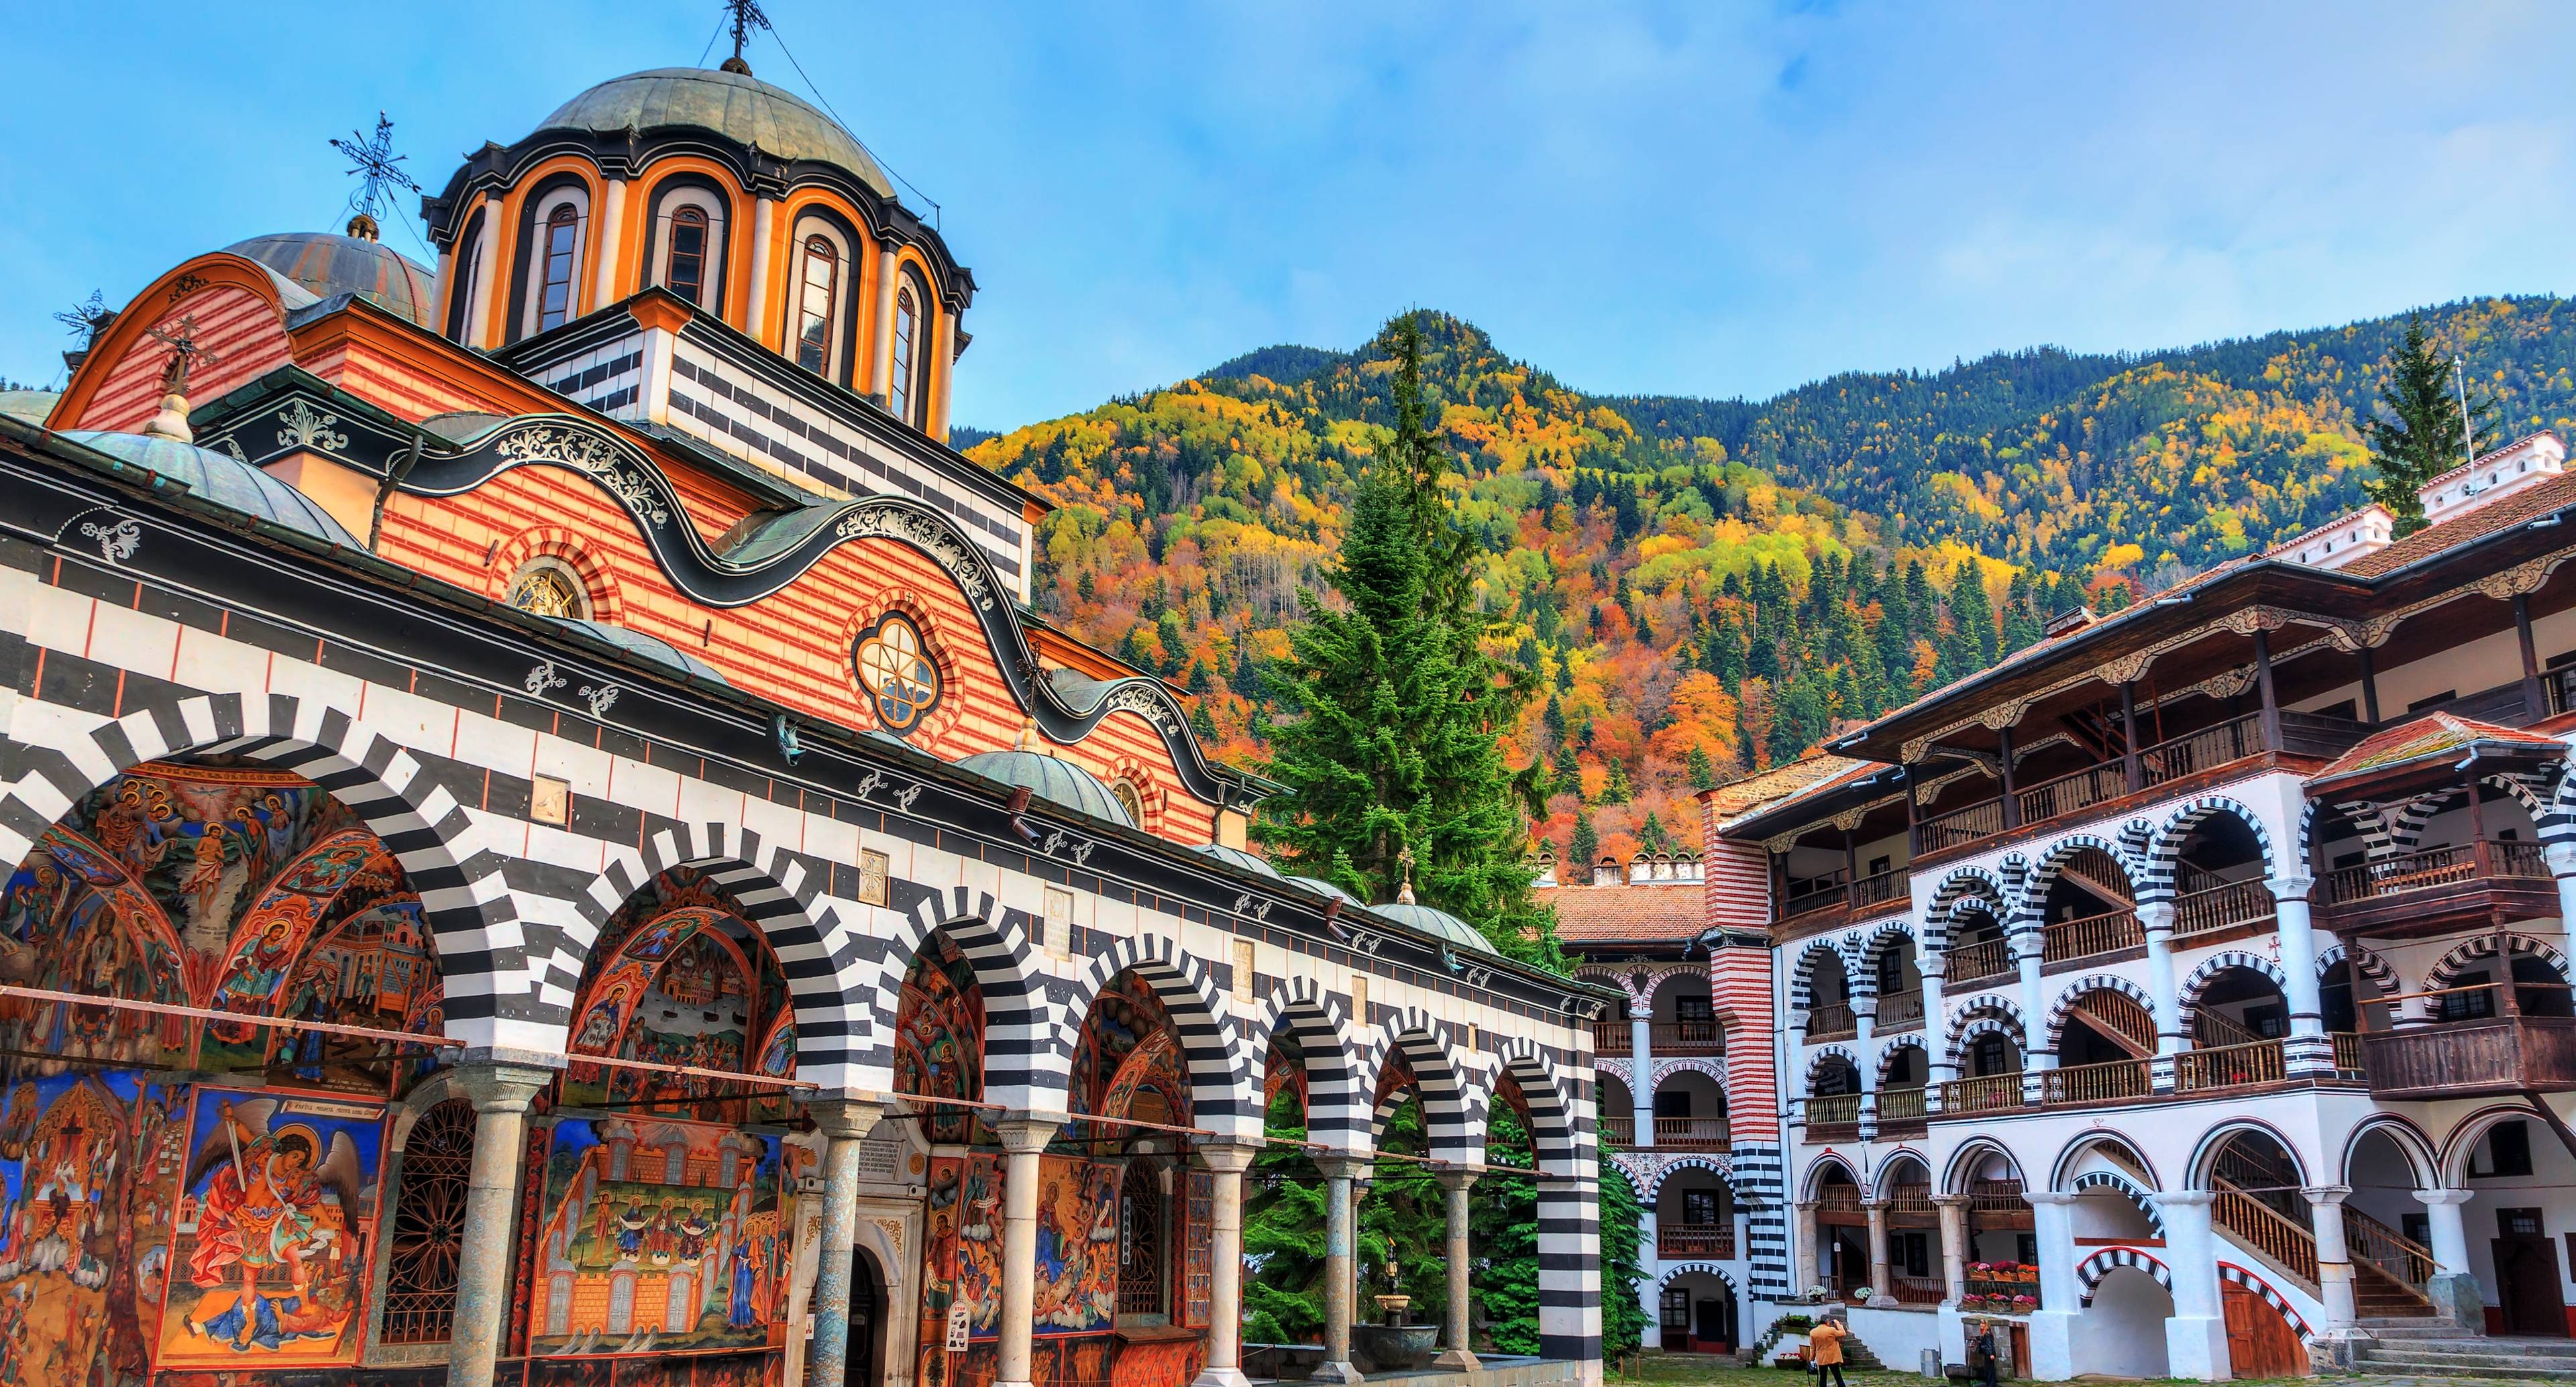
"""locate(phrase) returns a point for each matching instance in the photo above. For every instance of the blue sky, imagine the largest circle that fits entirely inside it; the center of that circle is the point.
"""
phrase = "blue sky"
(1702, 199)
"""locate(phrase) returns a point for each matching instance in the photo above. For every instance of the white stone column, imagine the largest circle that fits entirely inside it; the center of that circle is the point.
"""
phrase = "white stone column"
(2334, 1261)
(1864, 1027)
(1226, 1161)
(2455, 1291)
(1880, 1278)
(2026, 948)
(1641, 1076)
(2162, 990)
(1937, 1069)
(486, 262)
(2061, 1296)
(2307, 1051)
(1461, 1353)
(1954, 1245)
(1025, 1137)
(2196, 1334)
(755, 313)
(881, 358)
(846, 1123)
(1340, 1256)
(500, 1085)
(612, 229)
(1806, 1250)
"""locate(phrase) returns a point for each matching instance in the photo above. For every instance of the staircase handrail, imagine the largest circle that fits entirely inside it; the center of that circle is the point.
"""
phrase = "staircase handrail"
(2404, 1260)
(2269, 1231)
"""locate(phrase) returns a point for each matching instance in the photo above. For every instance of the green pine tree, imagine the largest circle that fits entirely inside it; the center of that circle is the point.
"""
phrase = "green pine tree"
(1623, 1238)
(1395, 711)
(1702, 771)
(1582, 849)
(2421, 436)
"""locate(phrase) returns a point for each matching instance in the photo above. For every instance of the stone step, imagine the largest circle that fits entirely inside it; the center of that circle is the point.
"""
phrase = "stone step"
(2507, 1352)
(2435, 1360)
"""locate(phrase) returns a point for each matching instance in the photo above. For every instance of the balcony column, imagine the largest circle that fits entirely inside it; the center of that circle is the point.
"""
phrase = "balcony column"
(1025, 1138)
(2369, 687)
(1937, 1069)
(2334, 1262)
(845, 1124)
(2011, 803)
(2134, 769)
(2034, 1005)
(1954, 1245)
(1880, 1279)
(1339, 1266)
(2307, 1051)
(2455, 1292)
(2196, 1333)
(1641, 1075)
(2561, 856)
(1461, 1355)
(1806, 1251)
(500, 1085)
(1227, 1161)
(2535, 705)
(1864, 1023)
(2157, 918)
(2263, 684)
(2052, 1325)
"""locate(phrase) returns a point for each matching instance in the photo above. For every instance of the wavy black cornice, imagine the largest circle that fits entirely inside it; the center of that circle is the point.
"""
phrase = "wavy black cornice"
(298, 418)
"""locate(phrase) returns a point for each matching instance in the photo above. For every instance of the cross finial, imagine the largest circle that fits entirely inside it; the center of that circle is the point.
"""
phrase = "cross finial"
(185, 352)
(378, 169)
(747, 20)
(1404, 893)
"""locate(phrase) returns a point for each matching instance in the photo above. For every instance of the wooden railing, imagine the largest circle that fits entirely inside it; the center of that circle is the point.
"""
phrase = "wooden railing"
(1996, 1197)
(2446, 866)
(2111, 1082)
(1712, 1240)
(2107, 933)
(2068, 793)
(1829, 892)
(1909, 1291)
(1687, 1037)
(2221, 907)
(1691, 1133)
(1618, 1131)
(1833, 1110)
(1613, 1038)
(1970, 963)
(1969, 825)
(2267, 1230)
(1843, 1199)
(2404, 1260)
(1909, 1199)
(1885, 888)
(1987, 1094)
(2207, 749)
(1899, 1009)
(1832, 1021)
(2229, 1066)
(1897, 1106)
(2348, 1062)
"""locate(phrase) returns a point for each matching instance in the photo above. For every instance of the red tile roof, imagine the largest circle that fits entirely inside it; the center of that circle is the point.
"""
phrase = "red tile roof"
(1782, 782)
(1664, 912)
(2501, 514)
(2434, 734)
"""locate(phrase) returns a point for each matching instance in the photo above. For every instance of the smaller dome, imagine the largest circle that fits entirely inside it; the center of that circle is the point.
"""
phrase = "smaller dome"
(1050, 779)
(331, 265)
(226, 481)
(1237, 857)
(34, 406)
(1325, 888)
(653, 648)
(1438, 923)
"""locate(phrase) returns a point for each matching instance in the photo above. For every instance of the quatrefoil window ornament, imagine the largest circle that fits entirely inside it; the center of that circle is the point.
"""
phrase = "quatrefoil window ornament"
(897, 673)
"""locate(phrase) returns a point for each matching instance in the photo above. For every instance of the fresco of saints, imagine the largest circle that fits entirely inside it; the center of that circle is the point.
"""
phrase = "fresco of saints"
(263, 1213)
(739, 1315)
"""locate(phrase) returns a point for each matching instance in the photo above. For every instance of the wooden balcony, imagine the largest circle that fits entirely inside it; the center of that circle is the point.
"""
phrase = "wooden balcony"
(1902, 1112)
(2440, 891)
(1899, 1011)
(1911, 1201)
(2227, 906)
(1618, 1131)
(1831, 1021)
(1883, 894)
(1967, 965)
(1828, 902)
(1715, 1241)
(2250, 1065)
(1833, 1117)
(1690, 1134)
(1686, 1038)
(2093, 937)
(2118, 1081)
(2472, 1059)
(1613, 1038)
(1991, 1093)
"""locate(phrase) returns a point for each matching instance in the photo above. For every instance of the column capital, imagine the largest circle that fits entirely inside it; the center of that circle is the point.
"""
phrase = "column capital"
(2435, 1199)
(2290, 888)
(2189, 1199)
(1224, 1156)
(845, 1118)
(1343, 1165)
(1024, 1133)
(2561, 857)
(2326, 1194)
(2156, 916)
(496, 1085)
(2053, 1198)
(1951, 1201)
(1457, 1177)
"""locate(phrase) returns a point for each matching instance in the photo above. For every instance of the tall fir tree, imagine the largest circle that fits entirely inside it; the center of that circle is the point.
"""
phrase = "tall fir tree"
(2421, 435)
(1396, 710)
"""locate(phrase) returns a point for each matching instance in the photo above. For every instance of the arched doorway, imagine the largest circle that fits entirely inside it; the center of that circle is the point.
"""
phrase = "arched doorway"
(1913, 1233)
(1842, 1231)
(1695, 1312)
(2386, 1231)
(2124, 1324)
(868, 1320)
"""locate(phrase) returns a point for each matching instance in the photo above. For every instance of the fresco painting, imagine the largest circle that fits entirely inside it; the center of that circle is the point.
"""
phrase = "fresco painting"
(660, 1236)
(939, 1038)
(276, 1226)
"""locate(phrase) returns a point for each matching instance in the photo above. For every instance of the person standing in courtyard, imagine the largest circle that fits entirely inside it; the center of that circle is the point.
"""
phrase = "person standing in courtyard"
(1825, 1347)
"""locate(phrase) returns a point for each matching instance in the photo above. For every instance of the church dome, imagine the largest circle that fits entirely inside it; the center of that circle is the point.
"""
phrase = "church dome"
(330, 266)
(1438, 923)
(1049, 779)
(733, 104)
(228, 482)
(1238, 858)
(652, 648)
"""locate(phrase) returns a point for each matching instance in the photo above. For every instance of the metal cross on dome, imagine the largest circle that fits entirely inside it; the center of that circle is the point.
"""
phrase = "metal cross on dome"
(745, 20)
(377, 168)
(88, 318)
(185, 352)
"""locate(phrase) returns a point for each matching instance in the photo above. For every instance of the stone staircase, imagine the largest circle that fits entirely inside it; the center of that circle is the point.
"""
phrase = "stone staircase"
(2433, 1348)
(1788, 1331)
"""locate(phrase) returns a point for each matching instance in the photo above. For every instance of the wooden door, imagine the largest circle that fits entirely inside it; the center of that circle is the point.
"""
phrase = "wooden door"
(2259, 1342)
(2527, 1283)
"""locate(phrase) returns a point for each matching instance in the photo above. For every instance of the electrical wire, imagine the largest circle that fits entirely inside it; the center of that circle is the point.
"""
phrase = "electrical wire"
(846, 128)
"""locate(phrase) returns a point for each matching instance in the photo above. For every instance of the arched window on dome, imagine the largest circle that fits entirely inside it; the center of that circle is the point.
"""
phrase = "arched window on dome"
(549, 587)
(817, 283)
(685, 273)
(561, 246)
(902, 392)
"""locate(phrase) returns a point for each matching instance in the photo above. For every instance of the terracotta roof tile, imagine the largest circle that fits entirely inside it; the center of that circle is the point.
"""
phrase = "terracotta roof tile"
(2501, 514)
(1782, 782)
(2434, 734)
(1659, 913)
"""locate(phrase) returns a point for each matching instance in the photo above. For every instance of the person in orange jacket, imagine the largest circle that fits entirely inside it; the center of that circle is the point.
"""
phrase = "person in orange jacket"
(1825, 1347)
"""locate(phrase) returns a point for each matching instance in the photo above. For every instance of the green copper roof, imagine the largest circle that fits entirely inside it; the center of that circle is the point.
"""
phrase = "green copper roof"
(329, 266)
(732, 104)
(1439, 923)
(34, 406)
(1050, 779)
(226, 481)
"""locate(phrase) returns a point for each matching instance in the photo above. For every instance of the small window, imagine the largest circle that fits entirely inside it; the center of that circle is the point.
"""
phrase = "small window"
(1673, 1310)
(1699, 1207)
(1672, 1103)
(2508, 1151)
(686, 274)
(1128, 799)
(1878, 866)
(2519, 1223)
(907, 326)
(546, 587)
(563, 239)
(897, 673)
(819, 282)
(1692, 1009)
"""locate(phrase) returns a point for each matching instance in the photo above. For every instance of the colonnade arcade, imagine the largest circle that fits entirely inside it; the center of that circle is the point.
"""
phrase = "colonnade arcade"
(669, 1180)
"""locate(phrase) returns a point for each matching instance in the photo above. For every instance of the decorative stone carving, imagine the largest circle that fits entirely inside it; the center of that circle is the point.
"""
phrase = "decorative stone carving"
(2521, 580)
